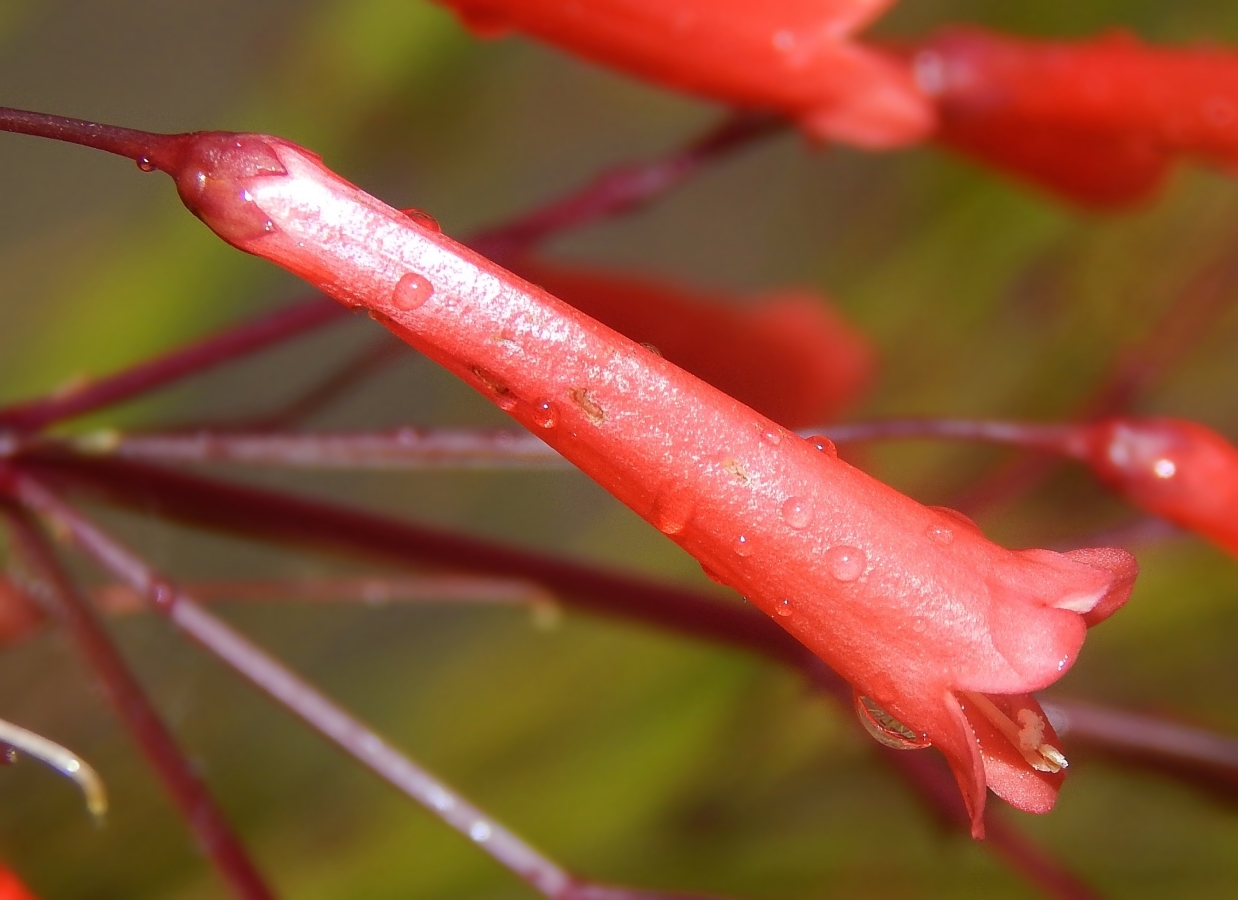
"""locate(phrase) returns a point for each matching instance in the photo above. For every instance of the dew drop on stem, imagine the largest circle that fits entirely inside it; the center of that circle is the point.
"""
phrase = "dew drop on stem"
(672, 510)
(797, 512)
(845, 563)
(545, 413)
(411, 291)
(423, 218)
(824, 445)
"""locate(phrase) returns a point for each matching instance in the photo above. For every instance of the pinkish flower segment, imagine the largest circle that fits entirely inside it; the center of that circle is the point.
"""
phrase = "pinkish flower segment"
(941, 631)
(1172, 468)
(1100, 120)
(794, 57)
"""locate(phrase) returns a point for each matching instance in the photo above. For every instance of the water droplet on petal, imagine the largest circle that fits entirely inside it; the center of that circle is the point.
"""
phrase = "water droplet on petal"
(772, 437)
(424, 219)
(743, 546)
(918, 625)
(783, 609)
(886, 729)
(797, 512)
(672, 510)
(824, 445)
(411, 291)
(713, 576)
(846, 563)
(940, 534)
(957, 516)
(145, 164)
(545, 413)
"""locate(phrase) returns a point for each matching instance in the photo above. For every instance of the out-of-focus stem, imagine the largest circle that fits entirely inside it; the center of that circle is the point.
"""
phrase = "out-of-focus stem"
(272, 516)
(415, 448)
(372, 590)
(1148, 736)
(1054, 438)
(315, 709)
(239, 340)
(622, 189)
(214, 835)
(401, 448)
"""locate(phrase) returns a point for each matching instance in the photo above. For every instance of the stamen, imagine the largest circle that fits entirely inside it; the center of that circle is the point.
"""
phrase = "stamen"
(1028, 736)
(62, 760)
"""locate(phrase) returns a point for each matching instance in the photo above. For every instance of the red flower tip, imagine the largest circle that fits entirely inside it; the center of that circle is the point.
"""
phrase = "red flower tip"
(795, 57)
(1016, 104)
(1172, 468)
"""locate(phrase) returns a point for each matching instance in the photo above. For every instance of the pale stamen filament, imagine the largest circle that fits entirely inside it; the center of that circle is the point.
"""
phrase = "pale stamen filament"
(62, 760)
(1027, 736)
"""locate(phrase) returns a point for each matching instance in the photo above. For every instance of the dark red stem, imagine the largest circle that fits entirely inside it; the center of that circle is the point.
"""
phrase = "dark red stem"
(272, 516)
(278, 517)
(130, 702)
(622, 189)
(145, 147)
(314, 708)
(239, 340)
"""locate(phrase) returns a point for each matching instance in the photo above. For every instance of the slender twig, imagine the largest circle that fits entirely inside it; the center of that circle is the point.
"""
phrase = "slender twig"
(1150, 736)
(366, 363)
(623, 189)
(273, 516)
(214, 835)
(402, 448)
(314, 708)
(238, 340)
(371, 590)
(1063, 439)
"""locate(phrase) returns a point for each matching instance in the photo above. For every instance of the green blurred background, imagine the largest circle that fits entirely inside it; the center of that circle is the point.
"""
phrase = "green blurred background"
(628, 755)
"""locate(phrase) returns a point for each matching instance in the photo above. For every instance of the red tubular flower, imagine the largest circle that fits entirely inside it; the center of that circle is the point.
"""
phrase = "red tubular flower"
(942, 631)
(787, 354)
(1098, 120)
(1172, 468)
(795, 57)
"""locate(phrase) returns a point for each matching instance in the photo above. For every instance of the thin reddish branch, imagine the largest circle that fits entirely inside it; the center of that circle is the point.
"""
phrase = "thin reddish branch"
(623, 189)
(275, 516)
(231, 343)
(315, 709)
(214, 836)
(272, 516)
(400, 448)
